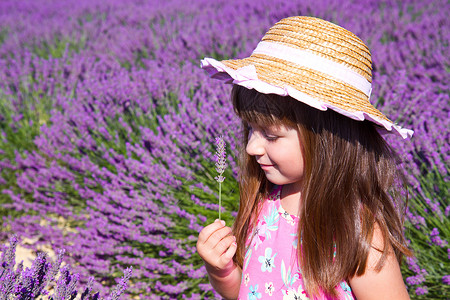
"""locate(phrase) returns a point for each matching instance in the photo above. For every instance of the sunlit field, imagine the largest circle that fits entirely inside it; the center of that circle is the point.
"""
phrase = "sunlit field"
(108, 127)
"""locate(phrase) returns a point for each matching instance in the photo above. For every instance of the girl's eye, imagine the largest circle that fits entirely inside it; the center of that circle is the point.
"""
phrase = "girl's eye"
(270, 137)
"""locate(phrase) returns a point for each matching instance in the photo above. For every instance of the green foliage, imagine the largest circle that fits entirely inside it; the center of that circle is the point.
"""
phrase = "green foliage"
(431, 203)
(3, 34)
(230, 202)
(59, 46)
(17, 131)
(17, 135)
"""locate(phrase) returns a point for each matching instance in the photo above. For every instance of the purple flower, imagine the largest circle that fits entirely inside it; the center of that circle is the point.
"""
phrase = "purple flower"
(220, 157)
(415, 280)
(88, 289)
(121, 286)
(111, 126)
(436, 239)
(32, 282)
(8, 258)
(422, 290)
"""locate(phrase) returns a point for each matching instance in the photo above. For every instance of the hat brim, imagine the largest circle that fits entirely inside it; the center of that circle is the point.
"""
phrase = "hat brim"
(244, 73)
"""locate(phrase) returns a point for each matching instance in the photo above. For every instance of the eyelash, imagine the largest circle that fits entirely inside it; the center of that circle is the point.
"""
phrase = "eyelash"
(270, 138)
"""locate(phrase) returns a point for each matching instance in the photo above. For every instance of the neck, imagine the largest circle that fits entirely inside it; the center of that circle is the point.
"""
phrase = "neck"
(291, 195)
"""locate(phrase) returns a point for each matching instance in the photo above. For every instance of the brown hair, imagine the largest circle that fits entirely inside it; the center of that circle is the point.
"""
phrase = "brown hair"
(350, 183)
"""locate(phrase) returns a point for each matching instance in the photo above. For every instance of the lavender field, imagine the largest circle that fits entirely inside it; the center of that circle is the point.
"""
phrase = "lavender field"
(108, 126)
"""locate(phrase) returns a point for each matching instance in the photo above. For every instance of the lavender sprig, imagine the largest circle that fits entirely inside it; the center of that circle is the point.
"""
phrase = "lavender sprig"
(8, 257)
(36, 281)
(220, 167)
(122, 285)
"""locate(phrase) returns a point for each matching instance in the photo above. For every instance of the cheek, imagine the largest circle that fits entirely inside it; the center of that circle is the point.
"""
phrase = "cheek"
(290, 157)
(294, 160)
(297, 160)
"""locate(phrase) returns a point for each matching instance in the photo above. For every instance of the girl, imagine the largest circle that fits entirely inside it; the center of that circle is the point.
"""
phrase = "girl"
(320, 215)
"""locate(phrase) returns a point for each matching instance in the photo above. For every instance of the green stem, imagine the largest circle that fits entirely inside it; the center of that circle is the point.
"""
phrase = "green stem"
(220, 198)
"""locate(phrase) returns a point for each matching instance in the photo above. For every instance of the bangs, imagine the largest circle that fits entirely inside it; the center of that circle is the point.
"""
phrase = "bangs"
(262, 109)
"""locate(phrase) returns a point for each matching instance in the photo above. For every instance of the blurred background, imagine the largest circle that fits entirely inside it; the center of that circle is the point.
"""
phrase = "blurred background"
(108, 126)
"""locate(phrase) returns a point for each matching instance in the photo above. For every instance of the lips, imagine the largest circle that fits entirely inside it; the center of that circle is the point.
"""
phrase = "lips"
(265, 167)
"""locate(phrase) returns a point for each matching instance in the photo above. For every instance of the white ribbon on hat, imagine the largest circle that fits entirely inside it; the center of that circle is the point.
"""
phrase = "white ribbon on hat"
(312, 61)
(248, 77)
(246, 73)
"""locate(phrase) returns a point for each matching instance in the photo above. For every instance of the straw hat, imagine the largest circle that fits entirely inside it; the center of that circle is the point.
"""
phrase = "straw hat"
(311, 60)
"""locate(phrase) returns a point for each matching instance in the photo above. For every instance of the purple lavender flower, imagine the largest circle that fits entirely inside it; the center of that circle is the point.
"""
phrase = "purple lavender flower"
(40, 269)
(220, 157)
(121, 286)
(436, 239)
(57, 264)
(422, 290)
(31, 282)
(415, 280)
(8, 277)
(109, 176)
(8, 258)
(88, 289)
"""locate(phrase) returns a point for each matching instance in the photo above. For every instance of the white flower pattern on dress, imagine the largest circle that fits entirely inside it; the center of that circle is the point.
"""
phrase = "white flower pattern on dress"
(246, 279)
(270, 262)
(292, 294)
(288, 217)
(269, 288)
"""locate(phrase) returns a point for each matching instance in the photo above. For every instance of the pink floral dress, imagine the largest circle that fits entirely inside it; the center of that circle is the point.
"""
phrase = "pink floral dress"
(270, 269)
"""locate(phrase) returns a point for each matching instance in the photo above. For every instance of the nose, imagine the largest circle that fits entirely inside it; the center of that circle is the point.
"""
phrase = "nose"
(255, 145)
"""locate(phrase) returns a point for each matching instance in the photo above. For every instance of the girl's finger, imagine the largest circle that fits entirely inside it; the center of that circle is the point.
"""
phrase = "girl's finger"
(209, 230)
(224, 244)
(217, 237)
(227, 257)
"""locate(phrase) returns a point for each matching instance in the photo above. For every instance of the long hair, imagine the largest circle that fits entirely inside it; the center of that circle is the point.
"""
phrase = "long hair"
(351, 182)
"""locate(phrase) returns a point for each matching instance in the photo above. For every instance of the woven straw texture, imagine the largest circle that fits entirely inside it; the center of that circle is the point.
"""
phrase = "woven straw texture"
(323, 39)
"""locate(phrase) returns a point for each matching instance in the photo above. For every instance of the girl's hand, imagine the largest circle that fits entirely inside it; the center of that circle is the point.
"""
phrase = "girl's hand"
(216, 246)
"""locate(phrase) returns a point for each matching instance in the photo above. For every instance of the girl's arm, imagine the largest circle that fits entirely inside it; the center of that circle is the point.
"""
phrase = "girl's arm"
(216, 246)
(385, 284)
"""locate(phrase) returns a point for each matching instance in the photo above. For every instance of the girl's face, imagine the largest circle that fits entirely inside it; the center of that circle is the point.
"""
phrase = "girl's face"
(278, 151)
